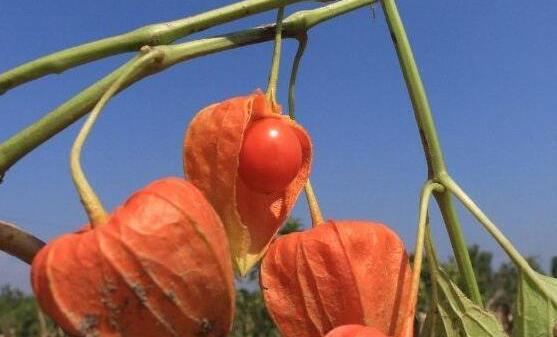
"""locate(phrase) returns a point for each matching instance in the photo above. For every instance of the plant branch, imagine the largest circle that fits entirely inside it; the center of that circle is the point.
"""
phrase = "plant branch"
(155, 34)
(31, 137)
(17, 242)
(430, 141)
(507, 246)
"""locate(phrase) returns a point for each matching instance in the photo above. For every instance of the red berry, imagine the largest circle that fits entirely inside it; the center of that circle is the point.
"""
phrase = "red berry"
(271, 155)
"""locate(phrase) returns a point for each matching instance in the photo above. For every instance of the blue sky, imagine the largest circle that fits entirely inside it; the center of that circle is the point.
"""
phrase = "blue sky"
(489, 69)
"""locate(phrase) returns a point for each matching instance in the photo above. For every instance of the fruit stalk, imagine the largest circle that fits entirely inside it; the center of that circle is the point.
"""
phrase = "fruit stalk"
(431, 144)
(275, 63)
(423, 220)
(93, 206)
(313, 204)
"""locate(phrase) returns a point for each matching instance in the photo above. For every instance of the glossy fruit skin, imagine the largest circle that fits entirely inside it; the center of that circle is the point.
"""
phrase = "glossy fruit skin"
(355, 330)
(271, 155)
(160, 266)
(212, 147)
(337, 273)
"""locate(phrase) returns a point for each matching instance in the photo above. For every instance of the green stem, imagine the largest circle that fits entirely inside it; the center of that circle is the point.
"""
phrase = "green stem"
(93, 206)
(313, 203)
(507, 246)
(66, 114)
(155, 34)
(425, 196)
(302, 44)
(275, 63)
(431, 144)
(434, 275)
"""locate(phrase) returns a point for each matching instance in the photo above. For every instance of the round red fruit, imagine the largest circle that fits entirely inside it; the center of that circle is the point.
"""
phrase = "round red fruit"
(271, 155)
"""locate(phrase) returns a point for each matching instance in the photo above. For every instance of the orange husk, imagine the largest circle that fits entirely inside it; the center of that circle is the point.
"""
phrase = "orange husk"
(355, 330)
(160, 266)
(338, 273)
(211, 159)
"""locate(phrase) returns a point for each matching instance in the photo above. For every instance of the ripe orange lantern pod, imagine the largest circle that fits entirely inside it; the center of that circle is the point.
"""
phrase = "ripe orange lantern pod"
(159, 266)
(338, 273)
(251, 179)
(355, 330)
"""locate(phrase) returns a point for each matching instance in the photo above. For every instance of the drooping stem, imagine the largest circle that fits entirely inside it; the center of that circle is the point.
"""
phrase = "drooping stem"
(275, 63)
(302, 43)
(26, 140)
(17, 242)
(425, 196)
(431, 145)
(507, 246)
(313, 204)
(93, 206)
(155, 34)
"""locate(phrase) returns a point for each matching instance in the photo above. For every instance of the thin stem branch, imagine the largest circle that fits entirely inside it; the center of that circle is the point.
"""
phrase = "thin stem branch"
(313, 204)
(155, 34)
(275, 63)
(507, 246)
(17, 242)
(425, 197)
(302, 44)
(89, 199)
(66, 114)
(430, 141)
(434, 275)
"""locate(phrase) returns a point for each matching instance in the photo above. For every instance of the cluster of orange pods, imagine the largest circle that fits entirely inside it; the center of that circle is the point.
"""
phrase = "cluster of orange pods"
(162, 264)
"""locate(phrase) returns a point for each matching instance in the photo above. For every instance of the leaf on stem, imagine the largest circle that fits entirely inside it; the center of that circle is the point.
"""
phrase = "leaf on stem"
(453, 314)
(535, 314)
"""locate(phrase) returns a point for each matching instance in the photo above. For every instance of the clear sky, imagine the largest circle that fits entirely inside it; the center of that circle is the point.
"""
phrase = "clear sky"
(488, 66)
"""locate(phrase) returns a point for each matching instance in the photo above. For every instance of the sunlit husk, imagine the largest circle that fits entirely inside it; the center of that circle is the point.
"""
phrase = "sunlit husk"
(211, 158)
(355, 330)
(160, 266)
(338, 273)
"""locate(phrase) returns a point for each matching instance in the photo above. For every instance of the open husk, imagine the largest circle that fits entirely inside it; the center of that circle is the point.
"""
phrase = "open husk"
(211, 159)
(338, 273)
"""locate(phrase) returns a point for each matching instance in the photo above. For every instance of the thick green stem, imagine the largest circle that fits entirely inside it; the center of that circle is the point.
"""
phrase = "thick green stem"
(155, 34)
(31, 137)
(430, 142)
(507, 246)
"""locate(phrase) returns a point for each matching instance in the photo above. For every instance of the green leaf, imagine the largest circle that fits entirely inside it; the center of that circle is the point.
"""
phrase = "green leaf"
(453, 315)
(535, 313)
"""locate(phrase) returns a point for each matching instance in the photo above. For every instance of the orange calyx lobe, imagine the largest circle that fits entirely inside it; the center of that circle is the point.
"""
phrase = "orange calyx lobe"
(160, 266)
(337, 273)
